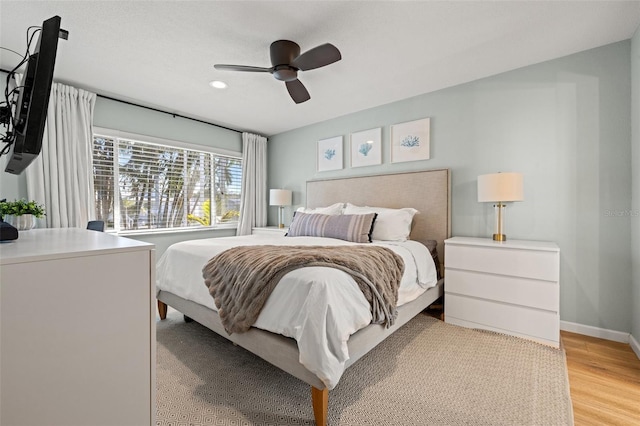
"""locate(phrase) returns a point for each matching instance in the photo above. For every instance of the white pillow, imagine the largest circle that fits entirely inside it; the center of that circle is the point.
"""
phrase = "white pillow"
(390, 225)
(333, 209)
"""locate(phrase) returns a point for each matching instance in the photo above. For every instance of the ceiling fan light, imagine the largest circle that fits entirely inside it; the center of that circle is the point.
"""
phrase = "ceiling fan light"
(217, 84)
(285, 73)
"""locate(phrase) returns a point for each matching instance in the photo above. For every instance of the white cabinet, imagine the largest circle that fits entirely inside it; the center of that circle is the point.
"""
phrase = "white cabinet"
(77, 329)
(269, 230)
(510, 287)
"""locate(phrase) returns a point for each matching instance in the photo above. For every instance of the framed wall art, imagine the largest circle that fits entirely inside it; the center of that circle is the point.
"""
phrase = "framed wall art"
(366, 148)
(330, 154)
(410, 141)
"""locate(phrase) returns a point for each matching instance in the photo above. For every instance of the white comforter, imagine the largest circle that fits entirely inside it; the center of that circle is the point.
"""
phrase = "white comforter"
(319, 307)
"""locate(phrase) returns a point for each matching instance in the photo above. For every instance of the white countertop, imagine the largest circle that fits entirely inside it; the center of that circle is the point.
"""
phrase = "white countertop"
(55, 243)
(515, 244)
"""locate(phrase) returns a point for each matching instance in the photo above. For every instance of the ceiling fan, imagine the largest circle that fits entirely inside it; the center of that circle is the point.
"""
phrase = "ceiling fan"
(286, 61)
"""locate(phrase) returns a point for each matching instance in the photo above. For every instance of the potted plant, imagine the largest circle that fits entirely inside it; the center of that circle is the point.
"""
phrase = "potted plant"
(21, 213)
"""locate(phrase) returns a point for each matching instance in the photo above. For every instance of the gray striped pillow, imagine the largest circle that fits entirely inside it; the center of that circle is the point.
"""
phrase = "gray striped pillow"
(349, 227)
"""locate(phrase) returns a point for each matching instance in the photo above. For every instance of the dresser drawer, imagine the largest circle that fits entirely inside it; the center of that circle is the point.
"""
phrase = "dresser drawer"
(520, 291)
(503, 317)
(535, 264)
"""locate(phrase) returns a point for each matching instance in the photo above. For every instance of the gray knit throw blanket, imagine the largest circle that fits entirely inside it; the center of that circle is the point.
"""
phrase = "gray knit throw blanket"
(241, 279)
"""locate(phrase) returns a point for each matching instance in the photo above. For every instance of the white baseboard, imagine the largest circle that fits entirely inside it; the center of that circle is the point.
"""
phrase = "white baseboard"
(602, 333)
(635, 345)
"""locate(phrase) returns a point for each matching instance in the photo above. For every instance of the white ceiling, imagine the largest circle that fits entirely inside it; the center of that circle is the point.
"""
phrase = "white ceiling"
(161, 54)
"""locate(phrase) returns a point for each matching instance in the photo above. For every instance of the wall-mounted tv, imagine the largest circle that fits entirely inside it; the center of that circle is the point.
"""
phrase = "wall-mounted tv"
(33, 98)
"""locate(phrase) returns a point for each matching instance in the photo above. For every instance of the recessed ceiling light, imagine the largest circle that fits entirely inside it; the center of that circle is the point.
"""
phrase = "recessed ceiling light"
(218, 84)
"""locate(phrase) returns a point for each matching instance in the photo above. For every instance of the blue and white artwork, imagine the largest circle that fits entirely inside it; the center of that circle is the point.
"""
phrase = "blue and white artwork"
(366, 148)
(330, 154)
(410, 141)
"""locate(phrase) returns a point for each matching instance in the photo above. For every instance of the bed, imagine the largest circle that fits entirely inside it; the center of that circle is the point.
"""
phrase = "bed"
(426, 191)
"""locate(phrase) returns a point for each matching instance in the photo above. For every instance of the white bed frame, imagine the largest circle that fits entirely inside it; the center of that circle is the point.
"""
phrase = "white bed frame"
(426, 191)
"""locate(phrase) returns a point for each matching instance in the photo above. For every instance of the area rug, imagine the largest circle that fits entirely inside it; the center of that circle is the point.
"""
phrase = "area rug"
(427, 373)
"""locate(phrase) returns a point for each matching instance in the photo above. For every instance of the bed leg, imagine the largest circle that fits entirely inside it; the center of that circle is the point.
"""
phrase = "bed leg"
(162, 310)
(320, 400)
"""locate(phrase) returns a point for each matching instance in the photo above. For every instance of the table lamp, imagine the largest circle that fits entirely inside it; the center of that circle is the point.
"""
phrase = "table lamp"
(280, 198)
(500, 188)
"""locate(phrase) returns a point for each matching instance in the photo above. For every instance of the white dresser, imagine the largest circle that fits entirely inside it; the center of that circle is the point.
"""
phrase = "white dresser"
(77, 329)
(269, 230)
(510, 287)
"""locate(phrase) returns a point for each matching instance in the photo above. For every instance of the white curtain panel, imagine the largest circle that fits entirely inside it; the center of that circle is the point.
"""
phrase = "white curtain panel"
(61, 178)
(253, 206)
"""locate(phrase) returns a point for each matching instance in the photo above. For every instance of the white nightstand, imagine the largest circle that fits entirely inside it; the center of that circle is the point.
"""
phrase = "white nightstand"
(510, 287)
(269, 230)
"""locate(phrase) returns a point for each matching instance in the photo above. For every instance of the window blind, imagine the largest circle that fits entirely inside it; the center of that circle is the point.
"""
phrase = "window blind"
(147, 186)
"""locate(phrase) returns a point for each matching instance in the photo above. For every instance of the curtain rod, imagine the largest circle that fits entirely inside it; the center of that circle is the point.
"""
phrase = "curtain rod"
(155, 109)
(167, 112)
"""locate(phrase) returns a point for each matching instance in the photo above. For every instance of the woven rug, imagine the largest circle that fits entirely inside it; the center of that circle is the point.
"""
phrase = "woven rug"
(428, 372)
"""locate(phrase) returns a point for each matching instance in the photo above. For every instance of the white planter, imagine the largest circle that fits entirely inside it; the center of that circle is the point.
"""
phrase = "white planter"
(22, 223)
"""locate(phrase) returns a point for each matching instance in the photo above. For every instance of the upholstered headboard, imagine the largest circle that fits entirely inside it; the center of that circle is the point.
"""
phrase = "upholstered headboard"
(426, 191)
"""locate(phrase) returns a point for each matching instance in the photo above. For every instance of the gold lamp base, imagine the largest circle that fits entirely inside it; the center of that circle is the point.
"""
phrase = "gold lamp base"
(280, 217)
(499, 236)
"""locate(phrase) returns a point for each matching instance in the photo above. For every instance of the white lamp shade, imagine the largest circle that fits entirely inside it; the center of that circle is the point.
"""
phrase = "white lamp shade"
(504, 187)
(279, 197)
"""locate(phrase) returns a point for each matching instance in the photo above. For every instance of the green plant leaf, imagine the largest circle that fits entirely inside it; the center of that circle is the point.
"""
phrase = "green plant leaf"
(21, 207)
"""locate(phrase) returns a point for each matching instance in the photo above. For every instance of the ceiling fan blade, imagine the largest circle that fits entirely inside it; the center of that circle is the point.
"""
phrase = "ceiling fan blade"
(317, 57)
(247, 68)
(297, 91)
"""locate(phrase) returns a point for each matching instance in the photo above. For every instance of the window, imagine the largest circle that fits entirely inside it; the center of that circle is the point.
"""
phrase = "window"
(141, 185)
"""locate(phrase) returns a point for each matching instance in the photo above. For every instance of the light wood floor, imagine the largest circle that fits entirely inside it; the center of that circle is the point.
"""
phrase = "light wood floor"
(604, 377)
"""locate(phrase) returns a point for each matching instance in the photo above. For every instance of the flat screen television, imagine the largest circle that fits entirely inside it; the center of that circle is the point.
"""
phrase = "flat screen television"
(33, 98)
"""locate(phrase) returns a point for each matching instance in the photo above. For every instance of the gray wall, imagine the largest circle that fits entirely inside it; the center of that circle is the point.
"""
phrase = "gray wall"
(635, 210)
(129, 118)
(132, 119)
(565, 124)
